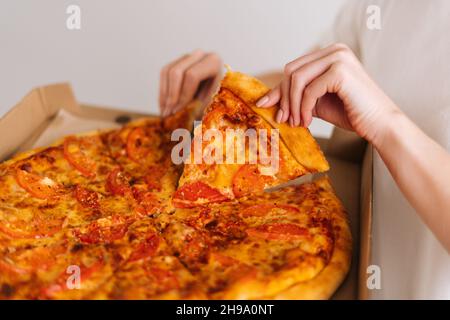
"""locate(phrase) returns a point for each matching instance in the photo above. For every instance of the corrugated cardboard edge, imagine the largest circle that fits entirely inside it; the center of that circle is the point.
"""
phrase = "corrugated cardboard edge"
(30, 116)
(365, 230)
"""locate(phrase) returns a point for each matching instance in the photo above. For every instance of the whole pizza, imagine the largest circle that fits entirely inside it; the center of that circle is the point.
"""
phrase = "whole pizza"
(109, 215)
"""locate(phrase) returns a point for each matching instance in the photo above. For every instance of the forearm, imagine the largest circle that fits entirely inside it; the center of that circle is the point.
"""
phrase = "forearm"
(421, 169)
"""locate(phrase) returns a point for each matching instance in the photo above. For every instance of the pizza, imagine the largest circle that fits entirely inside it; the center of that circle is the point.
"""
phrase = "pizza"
(108, 215)
(287, 153)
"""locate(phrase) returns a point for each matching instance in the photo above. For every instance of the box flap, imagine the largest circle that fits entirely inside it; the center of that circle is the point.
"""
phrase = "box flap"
(30, 115)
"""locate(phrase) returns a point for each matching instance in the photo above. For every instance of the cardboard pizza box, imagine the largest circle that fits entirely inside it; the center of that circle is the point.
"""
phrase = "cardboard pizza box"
(47, 113)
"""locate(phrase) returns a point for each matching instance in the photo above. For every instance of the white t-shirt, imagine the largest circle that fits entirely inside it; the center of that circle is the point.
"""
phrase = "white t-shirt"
(409, 58)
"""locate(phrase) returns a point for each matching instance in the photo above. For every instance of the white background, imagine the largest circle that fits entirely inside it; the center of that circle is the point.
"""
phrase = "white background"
(116, 56)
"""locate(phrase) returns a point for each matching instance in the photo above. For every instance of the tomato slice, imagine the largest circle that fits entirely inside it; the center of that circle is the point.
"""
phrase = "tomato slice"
(117, 183)
(73, 152)
(41, 226)
(147, 200)
(87, 198)
(10, 268)
(197, 191)
(261, 210)
(278, 231)
(39, 258)
(104, 230)
(153, 179)
(164, 279)
(249, 180)
(38, 186)
(139, 144)
(224, 260)
(146, 249)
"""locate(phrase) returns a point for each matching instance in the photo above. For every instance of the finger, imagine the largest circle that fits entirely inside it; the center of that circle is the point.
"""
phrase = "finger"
(330, 108)
(284, 104)
(296, 64)
(175, 77)
(208, 67)
(163, 88)
(314, 55)
(302, 77)
(270, 99)
(164, 85)
(322, 85)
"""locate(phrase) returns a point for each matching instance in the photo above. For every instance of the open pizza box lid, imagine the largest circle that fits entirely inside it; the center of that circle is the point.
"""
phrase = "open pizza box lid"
(51, 112)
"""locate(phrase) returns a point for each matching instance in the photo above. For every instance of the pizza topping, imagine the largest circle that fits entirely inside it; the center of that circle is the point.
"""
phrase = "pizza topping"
(198, 191)
(73, 152)
(190, 245)
(38, 186)
(248, 180)
(138, 144)
(146, 249)
(261, 210)
(87, 198)
(153, 179)
(224, 260)
(104, 230)
(39, 258)
(278, 231)
(220, 226)
(149, 201)
(118, 183)
(8, 267)
(41, 225)
(164, 279)
(141, 141)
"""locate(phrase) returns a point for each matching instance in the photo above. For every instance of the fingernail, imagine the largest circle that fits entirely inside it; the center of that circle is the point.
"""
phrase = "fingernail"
(279, 116)
(291, 121)
(261, 102)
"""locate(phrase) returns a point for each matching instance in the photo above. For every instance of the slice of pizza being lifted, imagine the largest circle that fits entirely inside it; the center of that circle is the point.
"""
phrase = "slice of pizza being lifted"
(239, 149)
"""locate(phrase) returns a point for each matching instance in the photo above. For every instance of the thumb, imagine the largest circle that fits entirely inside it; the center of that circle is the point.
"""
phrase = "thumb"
(270, 98)
(330, 108)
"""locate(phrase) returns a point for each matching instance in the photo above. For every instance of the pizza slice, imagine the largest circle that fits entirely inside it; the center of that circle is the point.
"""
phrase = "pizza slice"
(298, 140)
(239, 149)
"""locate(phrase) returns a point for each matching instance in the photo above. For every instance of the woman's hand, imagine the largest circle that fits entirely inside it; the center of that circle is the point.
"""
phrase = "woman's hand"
(331, 84)
(192, 76)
